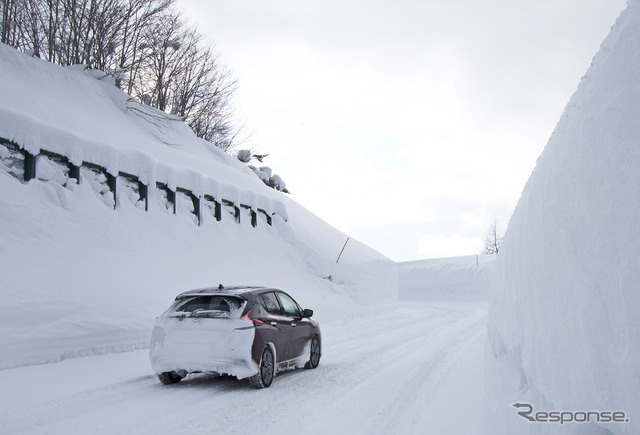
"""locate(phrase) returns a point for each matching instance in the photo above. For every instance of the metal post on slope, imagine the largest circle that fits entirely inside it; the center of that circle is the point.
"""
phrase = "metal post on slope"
(29, 166)
(345, 245)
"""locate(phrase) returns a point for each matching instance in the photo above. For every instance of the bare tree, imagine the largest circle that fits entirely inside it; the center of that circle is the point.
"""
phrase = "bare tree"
(492, 239)
(202, 96)
(9, 9)
(181, 76)
(145, 44)
(166, 46)
(137, 16)
(101, 34)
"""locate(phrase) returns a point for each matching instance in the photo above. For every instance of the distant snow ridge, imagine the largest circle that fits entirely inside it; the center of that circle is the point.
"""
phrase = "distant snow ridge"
(564, 316)
(466, 278)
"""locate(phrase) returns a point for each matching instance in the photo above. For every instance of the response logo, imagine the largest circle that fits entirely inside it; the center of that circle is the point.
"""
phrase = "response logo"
(526, 411)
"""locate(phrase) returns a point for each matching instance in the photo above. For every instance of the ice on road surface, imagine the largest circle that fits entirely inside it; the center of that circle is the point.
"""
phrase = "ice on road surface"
(415, 369)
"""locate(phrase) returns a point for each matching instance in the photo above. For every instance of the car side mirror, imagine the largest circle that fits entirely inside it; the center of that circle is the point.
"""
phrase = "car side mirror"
(307, 312)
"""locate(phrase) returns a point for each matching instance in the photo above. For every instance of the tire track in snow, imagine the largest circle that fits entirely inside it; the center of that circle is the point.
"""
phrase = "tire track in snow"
(97, 408)
(381, 385)
(417, 365)
(426, 379)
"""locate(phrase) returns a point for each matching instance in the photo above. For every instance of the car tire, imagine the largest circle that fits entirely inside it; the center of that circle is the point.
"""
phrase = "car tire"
(314, 354)
(169, 378)
(264, 377)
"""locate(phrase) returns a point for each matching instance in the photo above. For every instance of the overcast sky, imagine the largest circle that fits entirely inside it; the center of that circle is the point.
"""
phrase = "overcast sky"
(409, 125)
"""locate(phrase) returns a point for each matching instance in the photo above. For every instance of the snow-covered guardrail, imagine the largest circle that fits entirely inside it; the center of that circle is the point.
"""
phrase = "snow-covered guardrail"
(47, 165)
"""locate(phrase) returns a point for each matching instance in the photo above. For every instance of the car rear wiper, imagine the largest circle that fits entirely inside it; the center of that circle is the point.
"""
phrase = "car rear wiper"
(201, 312)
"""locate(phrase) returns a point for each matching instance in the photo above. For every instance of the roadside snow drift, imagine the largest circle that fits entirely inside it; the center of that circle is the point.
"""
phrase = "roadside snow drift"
(85, 271)
(467, 278)
(564, 316)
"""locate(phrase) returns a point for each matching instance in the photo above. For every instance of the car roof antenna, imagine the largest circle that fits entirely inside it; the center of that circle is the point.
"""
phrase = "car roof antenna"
(220, 287)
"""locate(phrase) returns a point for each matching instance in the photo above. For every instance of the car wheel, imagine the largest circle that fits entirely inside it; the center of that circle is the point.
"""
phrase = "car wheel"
(314, 354)
(264, 377)
(169, 378)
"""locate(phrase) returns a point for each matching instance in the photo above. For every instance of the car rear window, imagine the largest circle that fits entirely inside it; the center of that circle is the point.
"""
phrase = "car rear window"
(218, 306)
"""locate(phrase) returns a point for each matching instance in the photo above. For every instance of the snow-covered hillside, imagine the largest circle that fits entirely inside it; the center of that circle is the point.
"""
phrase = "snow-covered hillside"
(467, 278)
(83, 272)
(564, 316)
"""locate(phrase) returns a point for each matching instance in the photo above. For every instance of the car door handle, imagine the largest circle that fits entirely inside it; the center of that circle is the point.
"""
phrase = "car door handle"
(293, 324)
(274, 323)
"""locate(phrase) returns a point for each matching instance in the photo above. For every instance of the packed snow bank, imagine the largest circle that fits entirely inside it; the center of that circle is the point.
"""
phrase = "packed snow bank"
(71, 112)
(564, 316)
(465, 278)
(83, 273)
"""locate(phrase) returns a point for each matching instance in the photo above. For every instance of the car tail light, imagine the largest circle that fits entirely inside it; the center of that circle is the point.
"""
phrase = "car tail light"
(248, 317)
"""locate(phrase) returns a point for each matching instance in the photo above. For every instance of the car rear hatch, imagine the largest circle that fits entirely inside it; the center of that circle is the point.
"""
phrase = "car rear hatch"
(204, 333)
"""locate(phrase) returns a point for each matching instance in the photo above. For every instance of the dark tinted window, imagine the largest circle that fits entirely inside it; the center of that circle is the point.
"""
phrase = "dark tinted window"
(270, 303)
(289, 305)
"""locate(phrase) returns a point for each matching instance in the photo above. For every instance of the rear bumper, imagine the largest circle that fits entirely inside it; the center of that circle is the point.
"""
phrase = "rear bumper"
(232, 357)
(240, 368)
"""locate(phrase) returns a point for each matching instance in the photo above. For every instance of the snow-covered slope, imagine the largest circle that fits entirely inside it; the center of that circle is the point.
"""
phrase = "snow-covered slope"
(564, 321)
(80, 276)
(467, 278)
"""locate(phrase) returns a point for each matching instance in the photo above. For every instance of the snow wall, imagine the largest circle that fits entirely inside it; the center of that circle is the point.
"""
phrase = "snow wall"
(564, 315)
(467, 278)
(82, 272)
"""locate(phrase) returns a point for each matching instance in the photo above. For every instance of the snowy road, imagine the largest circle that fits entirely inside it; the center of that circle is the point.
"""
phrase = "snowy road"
(418, 369)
